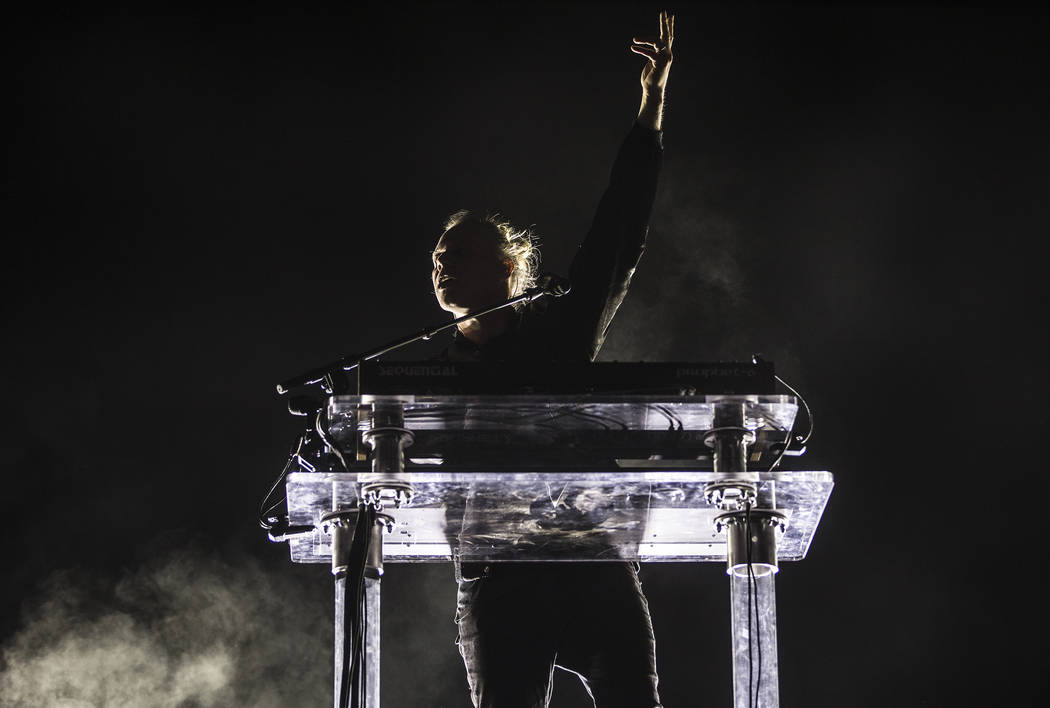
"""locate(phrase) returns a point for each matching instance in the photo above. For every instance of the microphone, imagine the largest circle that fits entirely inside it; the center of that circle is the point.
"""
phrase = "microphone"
(336, 380)
(550, 284)
(304, 405)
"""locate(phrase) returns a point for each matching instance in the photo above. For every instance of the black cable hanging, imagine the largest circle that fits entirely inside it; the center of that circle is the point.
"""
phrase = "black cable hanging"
(353, 681)
(752, 688)
(266, 521)
(801, 439)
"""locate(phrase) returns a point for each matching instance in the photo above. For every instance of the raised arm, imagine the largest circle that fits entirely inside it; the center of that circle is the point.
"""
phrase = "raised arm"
(602, 269)
(654, 73)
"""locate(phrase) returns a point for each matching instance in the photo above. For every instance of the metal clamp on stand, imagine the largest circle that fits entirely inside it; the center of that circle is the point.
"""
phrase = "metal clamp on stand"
(341, 526)
(751, 540)
(388, 484)
(728, 439)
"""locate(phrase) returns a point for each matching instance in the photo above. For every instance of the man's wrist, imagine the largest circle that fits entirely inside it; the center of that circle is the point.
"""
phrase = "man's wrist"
(654, 94)
(650, 113)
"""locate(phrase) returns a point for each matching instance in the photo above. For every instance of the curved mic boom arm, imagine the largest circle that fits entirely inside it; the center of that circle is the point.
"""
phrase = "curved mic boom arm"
(547, 284)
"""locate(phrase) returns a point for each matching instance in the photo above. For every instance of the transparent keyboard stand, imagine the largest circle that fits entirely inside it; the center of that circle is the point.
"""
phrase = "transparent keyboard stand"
(521, 478)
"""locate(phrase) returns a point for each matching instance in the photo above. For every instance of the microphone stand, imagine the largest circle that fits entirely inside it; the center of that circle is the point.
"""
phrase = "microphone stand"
(548, 286)
(357, 592)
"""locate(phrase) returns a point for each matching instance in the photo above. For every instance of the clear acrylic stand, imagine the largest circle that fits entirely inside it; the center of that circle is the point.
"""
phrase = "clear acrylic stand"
(569, 478)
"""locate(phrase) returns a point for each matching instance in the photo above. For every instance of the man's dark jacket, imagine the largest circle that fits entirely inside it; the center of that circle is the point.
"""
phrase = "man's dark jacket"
(573, 327)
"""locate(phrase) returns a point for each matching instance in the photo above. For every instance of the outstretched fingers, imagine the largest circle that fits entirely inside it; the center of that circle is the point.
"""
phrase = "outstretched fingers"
(650, 47)
(645, 51)
(666, 28)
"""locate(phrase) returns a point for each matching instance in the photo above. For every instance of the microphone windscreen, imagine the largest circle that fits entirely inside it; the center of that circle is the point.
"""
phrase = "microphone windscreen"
(303, 405)
(554, 285)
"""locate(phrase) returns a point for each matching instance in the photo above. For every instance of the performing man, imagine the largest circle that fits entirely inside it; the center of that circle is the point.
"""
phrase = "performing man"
(520, 621)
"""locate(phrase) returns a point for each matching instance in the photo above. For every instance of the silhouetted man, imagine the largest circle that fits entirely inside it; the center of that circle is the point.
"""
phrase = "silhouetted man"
(520, 621)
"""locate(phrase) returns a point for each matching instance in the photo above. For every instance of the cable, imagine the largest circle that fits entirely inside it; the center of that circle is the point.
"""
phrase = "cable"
(352, 685)
(750, 581)
(442, 414)
(324, 439)
(809, 413)
(265, 521)
(802, 440)
(756, 689)
(671, 417)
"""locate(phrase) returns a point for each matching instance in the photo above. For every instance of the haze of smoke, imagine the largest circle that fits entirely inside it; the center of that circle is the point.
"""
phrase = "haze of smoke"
(188, 630)
(690, 300)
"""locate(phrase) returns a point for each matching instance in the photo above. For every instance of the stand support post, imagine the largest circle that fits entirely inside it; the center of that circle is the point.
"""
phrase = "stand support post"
(387, 484)
(751, 558)
(752, 567)
(341, 525)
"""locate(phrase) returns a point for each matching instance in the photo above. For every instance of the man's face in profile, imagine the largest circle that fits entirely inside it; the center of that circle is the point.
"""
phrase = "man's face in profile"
(470, 271)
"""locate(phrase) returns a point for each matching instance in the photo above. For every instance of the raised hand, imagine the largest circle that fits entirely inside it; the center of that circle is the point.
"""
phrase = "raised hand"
(658, 52)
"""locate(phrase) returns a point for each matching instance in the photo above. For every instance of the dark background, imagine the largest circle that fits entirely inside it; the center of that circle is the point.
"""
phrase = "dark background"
(198, 204)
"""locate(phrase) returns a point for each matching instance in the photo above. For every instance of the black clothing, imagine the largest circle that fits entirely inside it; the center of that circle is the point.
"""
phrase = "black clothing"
(517, 621)
(573, 327)
(522, 620)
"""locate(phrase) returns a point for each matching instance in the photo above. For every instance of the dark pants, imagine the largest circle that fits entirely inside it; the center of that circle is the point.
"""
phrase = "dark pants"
(523, 620)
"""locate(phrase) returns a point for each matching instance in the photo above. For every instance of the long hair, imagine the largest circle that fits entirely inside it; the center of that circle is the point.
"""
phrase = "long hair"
(520, 246)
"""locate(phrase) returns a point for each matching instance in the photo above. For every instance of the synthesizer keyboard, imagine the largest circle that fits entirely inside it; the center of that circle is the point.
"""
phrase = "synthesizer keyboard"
(436, 378)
